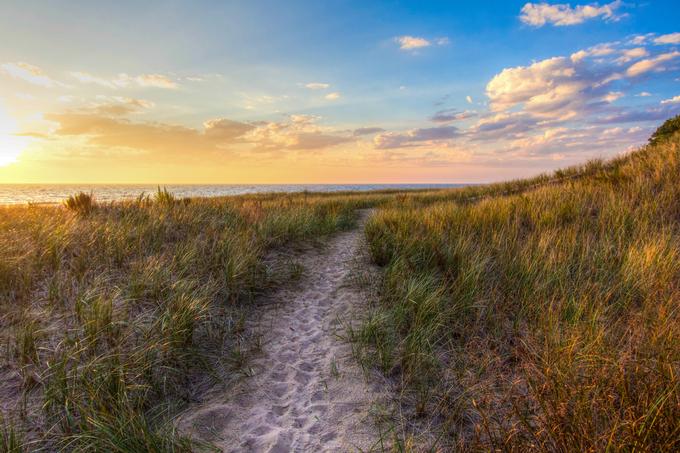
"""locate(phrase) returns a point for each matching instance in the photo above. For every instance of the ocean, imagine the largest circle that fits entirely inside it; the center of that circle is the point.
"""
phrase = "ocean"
(56, 193)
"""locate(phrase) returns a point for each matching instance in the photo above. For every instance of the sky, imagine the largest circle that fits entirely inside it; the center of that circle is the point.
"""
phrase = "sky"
(251, 92)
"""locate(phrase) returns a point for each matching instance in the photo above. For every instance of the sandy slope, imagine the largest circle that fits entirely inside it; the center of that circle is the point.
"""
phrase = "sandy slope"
(307, 392)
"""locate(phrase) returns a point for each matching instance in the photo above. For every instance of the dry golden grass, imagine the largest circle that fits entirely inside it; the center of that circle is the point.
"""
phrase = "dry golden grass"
(546, 319)
(109, 313)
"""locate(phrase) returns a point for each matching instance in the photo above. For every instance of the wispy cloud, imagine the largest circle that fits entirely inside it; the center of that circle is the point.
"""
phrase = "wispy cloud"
(612, 96)
(123, 80)
(120, 106)
(367, 131)
(651, 64)
(30, 73)
(415, 137)
(317, 86)
(411, 43)
(671, 38)
(333, 96)
(449, 115)
(540, 14)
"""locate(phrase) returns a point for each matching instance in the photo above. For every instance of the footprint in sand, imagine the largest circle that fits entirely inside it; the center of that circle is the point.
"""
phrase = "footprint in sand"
(292, 403)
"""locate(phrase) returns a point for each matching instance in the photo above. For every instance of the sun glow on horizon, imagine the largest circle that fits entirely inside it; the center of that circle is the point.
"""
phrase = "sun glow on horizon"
(11, 145)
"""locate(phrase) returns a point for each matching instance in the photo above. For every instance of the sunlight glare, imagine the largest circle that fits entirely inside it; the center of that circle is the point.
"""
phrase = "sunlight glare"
(11, 145)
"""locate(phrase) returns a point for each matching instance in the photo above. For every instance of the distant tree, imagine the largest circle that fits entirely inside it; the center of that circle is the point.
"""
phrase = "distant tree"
(666, 130)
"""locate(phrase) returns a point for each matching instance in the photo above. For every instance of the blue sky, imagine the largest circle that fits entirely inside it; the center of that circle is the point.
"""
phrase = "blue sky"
(333, 91)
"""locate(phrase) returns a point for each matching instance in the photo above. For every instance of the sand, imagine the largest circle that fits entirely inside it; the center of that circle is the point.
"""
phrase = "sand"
(306, 392)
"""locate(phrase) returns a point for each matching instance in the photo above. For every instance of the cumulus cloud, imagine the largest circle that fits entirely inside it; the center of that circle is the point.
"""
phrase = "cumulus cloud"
(673, 100)
(123, 80)
(657, 64)
(671, 38)
(410, 43)
(550, 87)
(415, 137)
(317, 86)
(104, 128)
(449, 115)
(30, 73)
(539, 14)
(561, 142)
(300, 132)
(563, 88)
(632, 54)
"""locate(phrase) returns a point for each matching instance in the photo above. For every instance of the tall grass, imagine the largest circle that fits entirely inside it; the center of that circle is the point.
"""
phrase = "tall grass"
(109, 318)
(542, 315)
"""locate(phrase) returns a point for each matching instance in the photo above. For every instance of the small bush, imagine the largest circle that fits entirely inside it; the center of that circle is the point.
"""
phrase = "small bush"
(82, 203)
(666, 130)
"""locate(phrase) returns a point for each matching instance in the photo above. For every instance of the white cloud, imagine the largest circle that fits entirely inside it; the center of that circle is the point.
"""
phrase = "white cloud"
(85, 77)
(333, 96)
(317, 86)
(468, 99)
(156, 81)
(673, 100)
(123, 80)
(632, 54)
(612, 96)
(651, 64)
(30, 73)
(545, 86)
(671, 38)
(600, 50)
(643, 94)
(301, 132)
(411, 43)
(539, 14)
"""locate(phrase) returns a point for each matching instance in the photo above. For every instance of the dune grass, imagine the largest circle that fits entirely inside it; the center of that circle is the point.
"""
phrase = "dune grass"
(539, 315)
(111, 312)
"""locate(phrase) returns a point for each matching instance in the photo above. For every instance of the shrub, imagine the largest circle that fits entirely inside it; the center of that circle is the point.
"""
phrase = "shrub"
(666, 130)
(82, 203)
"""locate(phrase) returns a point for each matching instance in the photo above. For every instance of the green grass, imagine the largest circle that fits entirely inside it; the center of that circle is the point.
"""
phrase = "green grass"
(535, 315)
(110, 311)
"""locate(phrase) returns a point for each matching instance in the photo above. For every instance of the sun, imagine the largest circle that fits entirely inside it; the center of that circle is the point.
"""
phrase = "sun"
(11, 144)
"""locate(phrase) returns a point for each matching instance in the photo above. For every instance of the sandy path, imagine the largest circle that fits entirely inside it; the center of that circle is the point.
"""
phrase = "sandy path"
(307, 392)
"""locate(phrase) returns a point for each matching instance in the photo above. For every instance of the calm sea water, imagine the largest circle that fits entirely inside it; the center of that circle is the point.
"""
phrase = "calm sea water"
(55, 193)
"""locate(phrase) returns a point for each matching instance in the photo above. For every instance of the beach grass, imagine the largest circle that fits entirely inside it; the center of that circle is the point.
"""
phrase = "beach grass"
(535, 316)
(111, 312)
